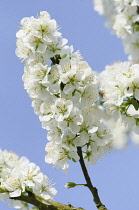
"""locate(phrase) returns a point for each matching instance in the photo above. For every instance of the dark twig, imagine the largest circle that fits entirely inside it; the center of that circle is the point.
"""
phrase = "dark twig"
(93, 189)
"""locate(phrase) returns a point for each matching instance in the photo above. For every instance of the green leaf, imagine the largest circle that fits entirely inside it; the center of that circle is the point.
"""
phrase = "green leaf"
(137, 121)
(135, 104)
(74, 160)
(64, 55)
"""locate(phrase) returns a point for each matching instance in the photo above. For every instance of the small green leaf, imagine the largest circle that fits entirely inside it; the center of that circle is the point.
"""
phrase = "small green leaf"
(135, 104)
(64, 55)
(137, 121)
(74, 160)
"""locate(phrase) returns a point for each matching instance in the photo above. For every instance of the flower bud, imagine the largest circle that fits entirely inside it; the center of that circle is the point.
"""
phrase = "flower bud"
(70, 185)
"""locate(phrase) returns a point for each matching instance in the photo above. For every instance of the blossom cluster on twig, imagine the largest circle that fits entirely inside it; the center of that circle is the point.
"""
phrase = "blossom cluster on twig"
(119, 82)
(64, 91)
(19, 176)
(123, 17)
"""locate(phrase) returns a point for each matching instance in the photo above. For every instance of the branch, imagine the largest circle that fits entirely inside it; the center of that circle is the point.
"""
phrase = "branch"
(52, 205)
(93, 189)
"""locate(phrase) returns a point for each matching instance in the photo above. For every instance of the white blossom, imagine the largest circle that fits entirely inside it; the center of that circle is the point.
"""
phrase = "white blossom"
(123, 17)
(119, 84)
(19, 176)
(63, 88)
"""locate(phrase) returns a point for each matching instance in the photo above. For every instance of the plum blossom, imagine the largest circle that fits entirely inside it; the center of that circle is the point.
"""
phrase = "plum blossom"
(123, 17)
(63, 88)
(19, 176)
(123, 79)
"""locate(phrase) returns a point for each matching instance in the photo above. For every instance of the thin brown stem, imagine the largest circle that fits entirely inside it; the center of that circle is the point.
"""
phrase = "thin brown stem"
(93, 189)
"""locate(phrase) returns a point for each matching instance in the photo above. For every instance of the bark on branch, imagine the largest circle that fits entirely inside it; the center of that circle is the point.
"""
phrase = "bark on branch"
(52, 205)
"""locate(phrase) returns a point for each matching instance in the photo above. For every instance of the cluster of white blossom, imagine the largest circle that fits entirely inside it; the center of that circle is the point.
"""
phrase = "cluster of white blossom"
(119, 131)
(20, 177)
(64, 93)
(106, 8)
(122, 134)
(119, 84)
(124, 16)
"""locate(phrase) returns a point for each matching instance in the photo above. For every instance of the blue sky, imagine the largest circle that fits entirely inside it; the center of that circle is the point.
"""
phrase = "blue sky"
(116, 175)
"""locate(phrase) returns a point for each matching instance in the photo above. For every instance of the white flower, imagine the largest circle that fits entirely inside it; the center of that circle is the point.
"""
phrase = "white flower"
(53, 80)
(90, 95)
(73, 121)
(13, 183)
(32, 175)
(36, 35)
(122, 16)
(21, 177)
(63, 88)
(81, 139)
(62, 108)
(106, 8)
(18, 205)
(55, 134)
(122, 97)
(4, 196)
(8, 159)
(44, 189)
(59, 154)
